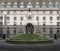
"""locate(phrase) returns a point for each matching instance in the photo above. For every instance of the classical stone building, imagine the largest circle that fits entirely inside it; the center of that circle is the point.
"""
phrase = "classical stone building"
(29, 16)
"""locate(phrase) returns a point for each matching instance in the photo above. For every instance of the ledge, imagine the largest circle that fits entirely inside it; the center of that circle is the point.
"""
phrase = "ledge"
(27, 9)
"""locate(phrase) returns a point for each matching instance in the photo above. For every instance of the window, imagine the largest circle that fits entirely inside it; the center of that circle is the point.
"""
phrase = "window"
(14, 31)
(51, 18)
(1, 23)
(8, 18)
(8, 28)
(8, 31)
(37, 18)
(1, 11)
(44, 29)
(21, 18)
(3, 4)
(51, 23)
(22, 5)
(29, 18)
(58, 23)
(14, 28)
(44, 18)
(20, 23)
(9, 4)
(58, 31)
(51, 28)
(44, 4)
(15, 18)
(57, 28)
(1, 18)
(1, 28)
(8, 22)
(58, 18)
(1, 31)
(51, 31)
(29, 5)
(56, 5)
(50, 5)
(44, 23)
(37, 5)
(15, 5)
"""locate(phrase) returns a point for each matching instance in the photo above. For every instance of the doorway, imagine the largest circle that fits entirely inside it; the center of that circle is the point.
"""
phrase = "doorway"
(29, 28)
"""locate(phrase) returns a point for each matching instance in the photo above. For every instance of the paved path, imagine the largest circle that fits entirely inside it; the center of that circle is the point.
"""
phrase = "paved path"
(30, 47)
(56, 42)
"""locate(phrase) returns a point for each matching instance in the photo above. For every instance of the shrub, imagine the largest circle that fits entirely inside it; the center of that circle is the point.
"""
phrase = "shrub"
(29, 38)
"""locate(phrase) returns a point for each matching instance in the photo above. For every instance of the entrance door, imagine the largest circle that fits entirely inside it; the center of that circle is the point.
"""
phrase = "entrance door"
(29, 28)
(3, 36)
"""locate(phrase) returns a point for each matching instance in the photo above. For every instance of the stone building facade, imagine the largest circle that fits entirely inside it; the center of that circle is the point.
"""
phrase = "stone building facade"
(28, 17)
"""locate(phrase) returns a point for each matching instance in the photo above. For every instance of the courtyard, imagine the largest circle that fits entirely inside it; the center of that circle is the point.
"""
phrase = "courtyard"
(29, 39)
(30, 47)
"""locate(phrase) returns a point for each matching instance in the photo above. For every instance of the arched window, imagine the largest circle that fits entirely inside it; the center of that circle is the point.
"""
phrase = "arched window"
(22, 5)
(15, 5)
(29, 5)
(3, 4)
(9, 5)
(37, 5)
(29, 18)
(43, 4)
(56, 5)
(59, 5)
(50, 5)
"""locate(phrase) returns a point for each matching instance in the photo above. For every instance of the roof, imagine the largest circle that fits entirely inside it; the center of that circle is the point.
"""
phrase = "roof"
(33, 1)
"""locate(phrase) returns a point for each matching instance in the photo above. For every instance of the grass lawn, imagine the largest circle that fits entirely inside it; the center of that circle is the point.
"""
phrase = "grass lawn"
(28, 38)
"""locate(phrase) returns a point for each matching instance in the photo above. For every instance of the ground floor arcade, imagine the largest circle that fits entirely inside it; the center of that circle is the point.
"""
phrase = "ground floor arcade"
(6, 31)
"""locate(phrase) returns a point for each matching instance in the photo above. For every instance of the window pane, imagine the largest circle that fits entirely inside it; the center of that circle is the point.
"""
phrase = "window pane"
(58, 23)
(1, 23)
(1, 31)
(51, 31)
(37, 18)
(15, 18)
(29, 18)
(1, 18)
(58, 31)
(8, 31)
(51, 18)
(8, 18)
(57, 18)
(44, 18)
(14, 31)
(21, 18)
